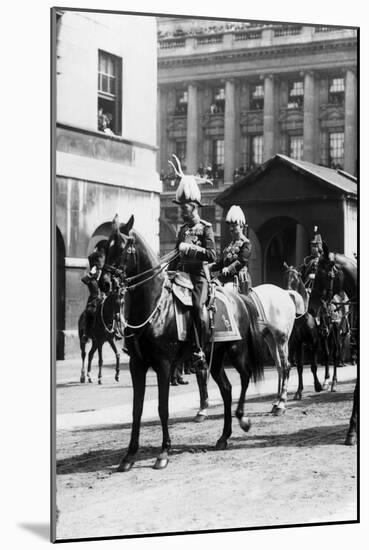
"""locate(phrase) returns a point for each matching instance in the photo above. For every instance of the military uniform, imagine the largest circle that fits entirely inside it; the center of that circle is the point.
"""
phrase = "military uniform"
(309, 267)
(235, 258)
(199, 235)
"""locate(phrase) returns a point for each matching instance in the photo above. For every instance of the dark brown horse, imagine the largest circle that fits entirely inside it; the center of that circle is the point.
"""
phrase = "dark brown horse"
(337, 273)
(152, 341)
(305, 332)
(102, 331)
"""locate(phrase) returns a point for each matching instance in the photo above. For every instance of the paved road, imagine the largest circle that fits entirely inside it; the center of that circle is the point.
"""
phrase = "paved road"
(80, 405)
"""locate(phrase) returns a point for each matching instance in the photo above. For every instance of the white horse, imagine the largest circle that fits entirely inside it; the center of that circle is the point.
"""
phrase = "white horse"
(278, 312)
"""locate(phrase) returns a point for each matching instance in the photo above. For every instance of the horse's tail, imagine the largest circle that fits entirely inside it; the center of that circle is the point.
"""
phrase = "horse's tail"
(254, 341)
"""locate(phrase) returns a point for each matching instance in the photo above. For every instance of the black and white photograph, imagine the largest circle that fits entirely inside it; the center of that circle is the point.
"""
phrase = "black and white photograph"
(205, 303)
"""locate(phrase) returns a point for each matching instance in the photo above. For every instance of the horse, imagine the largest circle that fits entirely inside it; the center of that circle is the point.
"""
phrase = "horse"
(152, 340)
(334, 293)
(333, 330)
(351, 436)
(304, 333)
(336, 273)
(107, 316)
(102, 331)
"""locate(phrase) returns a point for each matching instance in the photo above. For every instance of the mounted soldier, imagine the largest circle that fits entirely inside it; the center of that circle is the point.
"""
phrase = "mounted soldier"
(98, 282)
(233, 264)
(309, 267)
(195, 242)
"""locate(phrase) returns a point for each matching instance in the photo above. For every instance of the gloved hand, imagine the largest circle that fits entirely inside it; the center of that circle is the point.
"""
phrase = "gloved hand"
(225, 271)
(312, 276)
(184, 248)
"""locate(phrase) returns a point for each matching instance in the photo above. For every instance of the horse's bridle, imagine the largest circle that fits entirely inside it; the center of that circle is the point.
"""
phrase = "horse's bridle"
(128, 284)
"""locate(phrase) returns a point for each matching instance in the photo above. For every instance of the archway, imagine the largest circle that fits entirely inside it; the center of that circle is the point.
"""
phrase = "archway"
(282, 239)
(60, 295)
(100, 235)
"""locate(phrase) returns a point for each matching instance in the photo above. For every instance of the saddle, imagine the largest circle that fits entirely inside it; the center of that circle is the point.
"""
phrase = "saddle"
(225, 326)
(182, 288)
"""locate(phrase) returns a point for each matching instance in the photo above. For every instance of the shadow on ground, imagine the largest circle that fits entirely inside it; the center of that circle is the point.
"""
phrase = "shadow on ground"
(106, 458)
(42, 530)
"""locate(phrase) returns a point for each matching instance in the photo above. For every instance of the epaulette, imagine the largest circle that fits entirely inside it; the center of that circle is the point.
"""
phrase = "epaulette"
(204, 222)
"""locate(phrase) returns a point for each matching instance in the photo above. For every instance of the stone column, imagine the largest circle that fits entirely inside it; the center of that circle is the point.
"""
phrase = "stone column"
(229, 131)
(350, 153)
(299, 245)
(309, 111)
(268, 117)
(192, 130)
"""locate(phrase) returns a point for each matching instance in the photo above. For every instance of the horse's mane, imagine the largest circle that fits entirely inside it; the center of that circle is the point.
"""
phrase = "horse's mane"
(143, 244)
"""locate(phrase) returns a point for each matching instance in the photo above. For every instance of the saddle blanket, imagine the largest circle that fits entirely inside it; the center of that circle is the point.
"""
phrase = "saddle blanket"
(225, 326)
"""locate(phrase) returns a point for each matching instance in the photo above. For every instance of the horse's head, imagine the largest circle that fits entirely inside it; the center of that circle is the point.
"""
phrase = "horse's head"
(328, 281)
(121, 249)
(291, 277)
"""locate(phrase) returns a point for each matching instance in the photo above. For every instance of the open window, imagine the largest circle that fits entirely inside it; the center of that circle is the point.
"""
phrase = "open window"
(109, 95)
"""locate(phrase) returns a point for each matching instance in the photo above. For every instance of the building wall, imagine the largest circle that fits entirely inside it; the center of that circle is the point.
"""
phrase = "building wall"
(80, 37)
(350, 215)
(198, 55)
(99, 175)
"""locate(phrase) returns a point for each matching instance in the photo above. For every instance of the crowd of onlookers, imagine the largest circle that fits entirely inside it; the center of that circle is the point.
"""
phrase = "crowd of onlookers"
(212, 29)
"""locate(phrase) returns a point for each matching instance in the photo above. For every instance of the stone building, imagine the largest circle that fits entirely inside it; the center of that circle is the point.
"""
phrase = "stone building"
(232, 95)
(105, 139)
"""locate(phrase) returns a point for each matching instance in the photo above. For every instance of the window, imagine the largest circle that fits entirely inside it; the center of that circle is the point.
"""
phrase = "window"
(296, 147)
(181, 153)
(218, 152)
(257, 97)
(295, 94)
(336, 91)
(336, 149)
(109, 93)
(218, 101)
(208, 214)
(256, 156)
(181, 102)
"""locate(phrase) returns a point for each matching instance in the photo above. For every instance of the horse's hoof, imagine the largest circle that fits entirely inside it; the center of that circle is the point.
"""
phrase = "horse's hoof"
(334, 387)
(200, 418)
(350, 440)
(117, 377)
(90, 380)
(100, 382)
(125, 466)
(318, 388)
(245, 423)
(273, 409)
(161, 463)
(279, 411)
(325, 386)
(82, 379)
(297, 397)
(221, 445)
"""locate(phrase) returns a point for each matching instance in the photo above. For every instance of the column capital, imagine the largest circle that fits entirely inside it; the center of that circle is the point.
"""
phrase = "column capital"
(352, 70)
(193, 83)
(270, 76)
(308, 72)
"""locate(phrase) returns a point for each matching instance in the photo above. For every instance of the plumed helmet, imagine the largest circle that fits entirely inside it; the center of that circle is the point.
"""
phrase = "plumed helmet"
(188, 191)
(236, 215)
(317, 238)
